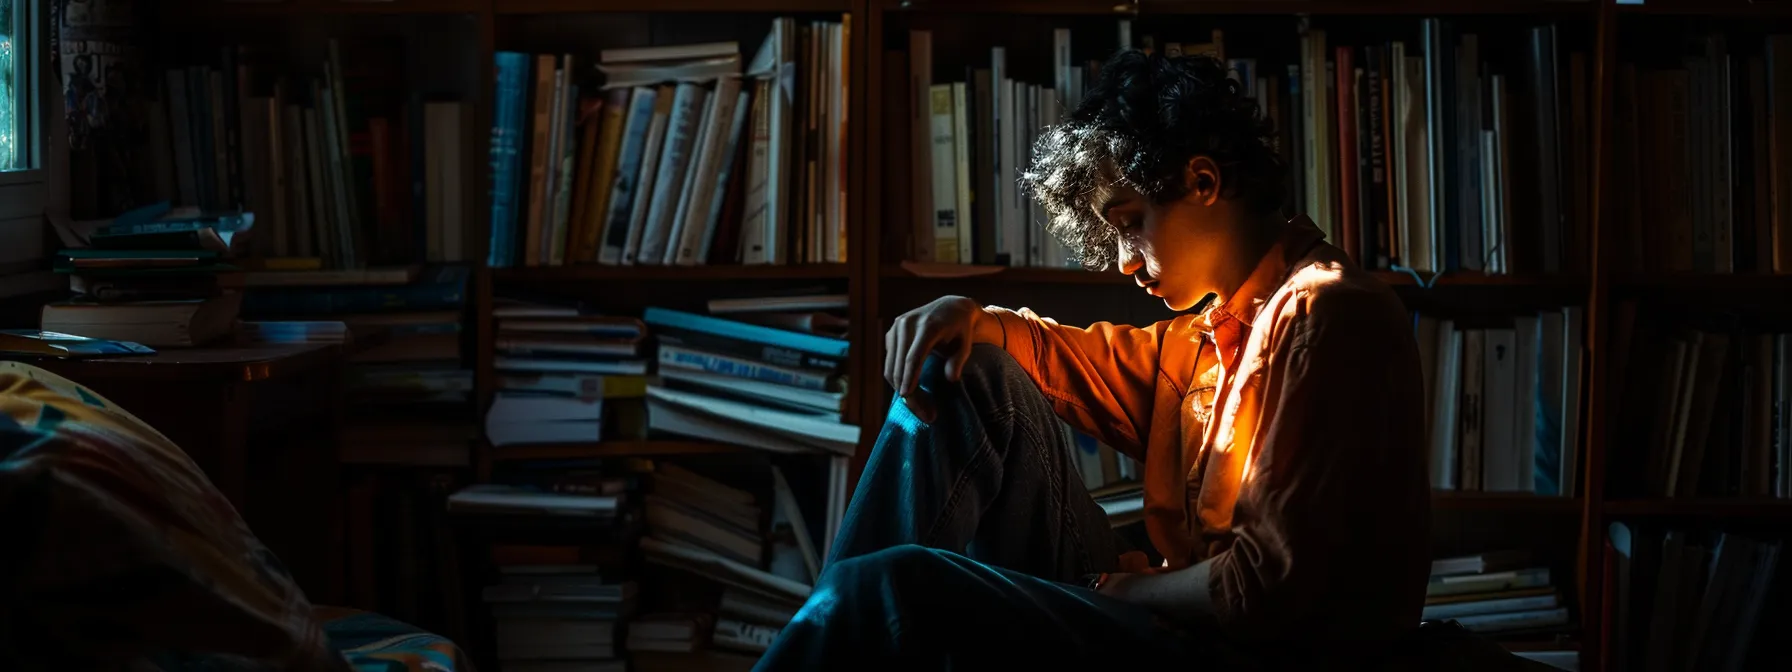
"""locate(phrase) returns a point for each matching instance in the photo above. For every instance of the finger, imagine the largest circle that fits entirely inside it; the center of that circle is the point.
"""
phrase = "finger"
(915, 358)
(960, 355)
(903, 338)
(890, 354)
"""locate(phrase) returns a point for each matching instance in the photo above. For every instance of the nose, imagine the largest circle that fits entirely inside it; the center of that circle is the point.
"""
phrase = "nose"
(1128, 259)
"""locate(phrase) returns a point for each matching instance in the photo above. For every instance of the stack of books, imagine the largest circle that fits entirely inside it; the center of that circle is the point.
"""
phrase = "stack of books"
(755, 604)
(413, 365)
(557, 367)
(1495, 593)
(735, 381)
(153, 276)
(552, 616)
(690, 508)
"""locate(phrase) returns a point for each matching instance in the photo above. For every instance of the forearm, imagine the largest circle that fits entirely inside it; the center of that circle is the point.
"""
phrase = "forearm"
(1182, 595)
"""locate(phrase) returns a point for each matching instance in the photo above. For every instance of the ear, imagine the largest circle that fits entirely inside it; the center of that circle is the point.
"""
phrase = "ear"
(1202, 179)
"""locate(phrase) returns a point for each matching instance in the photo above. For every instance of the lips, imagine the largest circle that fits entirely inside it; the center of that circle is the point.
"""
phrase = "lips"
(1151, 288)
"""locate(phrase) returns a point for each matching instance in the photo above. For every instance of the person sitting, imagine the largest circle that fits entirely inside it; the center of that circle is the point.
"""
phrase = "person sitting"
(1278, 419)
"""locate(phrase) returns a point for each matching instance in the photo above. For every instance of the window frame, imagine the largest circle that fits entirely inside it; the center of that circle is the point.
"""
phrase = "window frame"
(32, 60)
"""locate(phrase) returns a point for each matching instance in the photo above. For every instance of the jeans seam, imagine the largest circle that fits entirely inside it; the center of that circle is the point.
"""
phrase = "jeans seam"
(971, 469)
(1056, 472)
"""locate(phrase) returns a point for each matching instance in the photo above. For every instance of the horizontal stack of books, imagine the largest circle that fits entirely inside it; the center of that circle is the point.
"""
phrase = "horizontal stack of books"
(155, 276)
(557, 366)
(736, 381)
(1503, 595)
(550, 617)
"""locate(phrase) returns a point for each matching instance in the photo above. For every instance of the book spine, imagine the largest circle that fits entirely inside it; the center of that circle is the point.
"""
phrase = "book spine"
(819, 345)
(507, 127)
(674, 356)
(770, 354)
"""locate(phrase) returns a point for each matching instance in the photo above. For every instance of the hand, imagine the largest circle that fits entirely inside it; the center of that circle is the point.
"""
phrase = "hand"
(1116, 584)
(948, 324)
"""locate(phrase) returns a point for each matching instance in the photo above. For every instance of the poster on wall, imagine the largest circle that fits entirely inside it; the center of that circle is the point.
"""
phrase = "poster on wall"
(97, 52)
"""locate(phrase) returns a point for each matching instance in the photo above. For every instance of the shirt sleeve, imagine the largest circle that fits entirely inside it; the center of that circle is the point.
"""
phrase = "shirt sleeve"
(1331, 522)
(1102, 380)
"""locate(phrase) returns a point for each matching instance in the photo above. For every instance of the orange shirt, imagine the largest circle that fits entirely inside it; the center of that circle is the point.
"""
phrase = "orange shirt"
(1308, 496)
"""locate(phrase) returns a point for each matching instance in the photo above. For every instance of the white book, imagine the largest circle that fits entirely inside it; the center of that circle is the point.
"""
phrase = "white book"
(767, 207)
(699, 177)
(647, 179)
(1438, 612)
(676, 52)
(510, 407)
(838, 437)
(627, 367)
(811, 400)
(943, 155)
(504, 497)
(688, 106)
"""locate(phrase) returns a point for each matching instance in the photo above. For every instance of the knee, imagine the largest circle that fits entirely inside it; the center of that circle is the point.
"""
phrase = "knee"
(894, 565)
(988, 367)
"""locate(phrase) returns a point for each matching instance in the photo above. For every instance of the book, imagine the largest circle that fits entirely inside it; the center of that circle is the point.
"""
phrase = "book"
(57, 344)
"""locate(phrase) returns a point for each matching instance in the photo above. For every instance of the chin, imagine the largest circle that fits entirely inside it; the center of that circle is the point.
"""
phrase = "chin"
(1177, 303)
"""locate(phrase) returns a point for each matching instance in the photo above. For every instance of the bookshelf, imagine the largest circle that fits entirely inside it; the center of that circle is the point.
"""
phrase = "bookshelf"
(876, 218)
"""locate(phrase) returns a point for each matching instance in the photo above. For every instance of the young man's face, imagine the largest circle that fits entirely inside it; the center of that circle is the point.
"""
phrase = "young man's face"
(1170, 248)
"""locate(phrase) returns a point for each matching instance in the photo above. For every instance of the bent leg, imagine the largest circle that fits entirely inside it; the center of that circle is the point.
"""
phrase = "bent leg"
(910, 607)
(990, 476)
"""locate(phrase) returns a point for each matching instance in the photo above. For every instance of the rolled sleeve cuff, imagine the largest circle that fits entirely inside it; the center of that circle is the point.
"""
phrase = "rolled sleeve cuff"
(1019, 333)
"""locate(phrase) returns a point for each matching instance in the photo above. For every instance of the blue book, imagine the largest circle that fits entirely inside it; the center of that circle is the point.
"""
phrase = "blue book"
(752, 333)
(507, 137)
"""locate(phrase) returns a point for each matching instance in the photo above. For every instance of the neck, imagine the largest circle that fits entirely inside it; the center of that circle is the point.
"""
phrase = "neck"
(1255, 237)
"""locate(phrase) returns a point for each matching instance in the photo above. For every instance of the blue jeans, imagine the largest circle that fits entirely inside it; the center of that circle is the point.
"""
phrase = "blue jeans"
(964, 545)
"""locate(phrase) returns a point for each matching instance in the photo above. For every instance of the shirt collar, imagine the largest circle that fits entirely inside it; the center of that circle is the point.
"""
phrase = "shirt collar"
(1229, 315)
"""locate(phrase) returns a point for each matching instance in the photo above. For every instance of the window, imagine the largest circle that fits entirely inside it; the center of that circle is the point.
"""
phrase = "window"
(18, 86)
(22, 82)
(26, 90)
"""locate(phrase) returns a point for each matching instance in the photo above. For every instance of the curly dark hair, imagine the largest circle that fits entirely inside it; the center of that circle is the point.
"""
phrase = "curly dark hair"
(1146, 116)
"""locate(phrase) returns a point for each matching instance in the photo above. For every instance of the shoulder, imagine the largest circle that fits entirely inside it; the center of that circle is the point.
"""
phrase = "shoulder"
(1337, 302)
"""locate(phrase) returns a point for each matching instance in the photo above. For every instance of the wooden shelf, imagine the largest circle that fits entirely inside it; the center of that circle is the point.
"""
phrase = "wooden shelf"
(1502, 502)
(1370, 7)
(1392, 278)
(588, 272)
(204, 9)
(1244, 7)
(1706, 281)
(1399, 279)
(636, 6)
(1026, 275)
(579, 451)
(1728, 8)
(1741, 509)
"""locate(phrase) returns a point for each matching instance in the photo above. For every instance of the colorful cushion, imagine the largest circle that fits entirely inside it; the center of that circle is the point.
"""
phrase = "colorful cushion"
(374, 643)
(119, 552)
